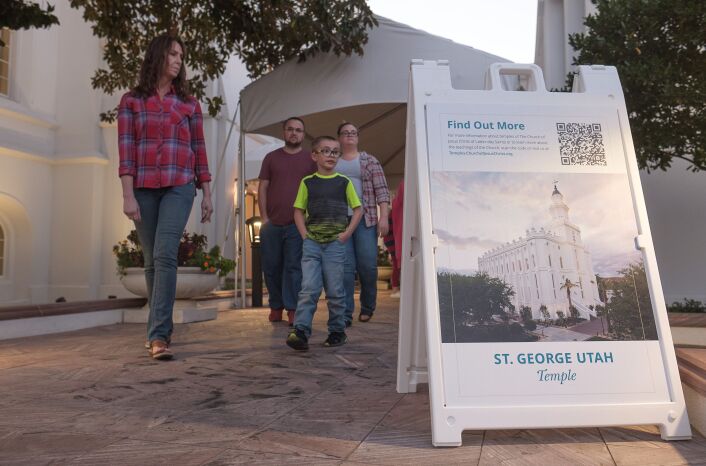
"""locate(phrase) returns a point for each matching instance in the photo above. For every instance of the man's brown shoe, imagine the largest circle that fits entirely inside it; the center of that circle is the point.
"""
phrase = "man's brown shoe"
(275, 315)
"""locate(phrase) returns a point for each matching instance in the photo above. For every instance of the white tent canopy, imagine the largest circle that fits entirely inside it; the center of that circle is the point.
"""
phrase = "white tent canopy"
(368, 90)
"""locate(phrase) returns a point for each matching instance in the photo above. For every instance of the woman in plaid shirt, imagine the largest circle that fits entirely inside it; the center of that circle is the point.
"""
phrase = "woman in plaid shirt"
(368, 178)
(162, 163)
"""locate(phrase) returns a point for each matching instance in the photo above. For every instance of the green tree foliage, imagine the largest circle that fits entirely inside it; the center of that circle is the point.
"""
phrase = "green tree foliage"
(545, 312)
(630, 307)
(525, 313)
(446, 307)
(603, 315)
(688, 305)
(470, 299)
(262, 33)
(475, 308)
(20, 14)
(659, 49)
(568, 285)
(560, 318)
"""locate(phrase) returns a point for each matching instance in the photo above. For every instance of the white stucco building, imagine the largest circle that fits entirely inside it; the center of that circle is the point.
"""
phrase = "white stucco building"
(538, 265)
(675, 199)
(60, 196)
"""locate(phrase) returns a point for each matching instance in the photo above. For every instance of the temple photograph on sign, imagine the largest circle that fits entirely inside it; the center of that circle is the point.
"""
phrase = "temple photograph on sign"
(538, 257)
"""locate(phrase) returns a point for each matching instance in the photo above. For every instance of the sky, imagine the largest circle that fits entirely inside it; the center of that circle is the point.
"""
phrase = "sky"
(506, 28)
(503, 205)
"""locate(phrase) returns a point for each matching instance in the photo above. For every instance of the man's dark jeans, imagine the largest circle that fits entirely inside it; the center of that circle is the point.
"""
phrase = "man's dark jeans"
(282, 264)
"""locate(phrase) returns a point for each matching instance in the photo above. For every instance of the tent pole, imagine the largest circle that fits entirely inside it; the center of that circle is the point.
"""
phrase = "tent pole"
(392, 111)
(225, 145)
(240, 226)
(233, 213)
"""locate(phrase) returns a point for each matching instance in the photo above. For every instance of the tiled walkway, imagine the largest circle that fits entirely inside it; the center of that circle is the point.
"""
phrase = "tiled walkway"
(237, 395)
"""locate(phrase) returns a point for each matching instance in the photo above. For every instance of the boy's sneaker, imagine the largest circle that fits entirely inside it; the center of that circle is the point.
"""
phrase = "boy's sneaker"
(297, 340)
(336, 339)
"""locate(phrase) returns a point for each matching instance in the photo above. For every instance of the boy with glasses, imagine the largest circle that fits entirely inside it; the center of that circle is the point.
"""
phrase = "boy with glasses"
(321, 217)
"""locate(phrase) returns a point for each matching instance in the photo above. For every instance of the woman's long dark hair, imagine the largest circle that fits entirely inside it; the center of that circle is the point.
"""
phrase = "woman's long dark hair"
(153, 67)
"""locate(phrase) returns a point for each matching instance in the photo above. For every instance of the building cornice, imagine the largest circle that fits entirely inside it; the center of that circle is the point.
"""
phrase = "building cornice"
(532, 234)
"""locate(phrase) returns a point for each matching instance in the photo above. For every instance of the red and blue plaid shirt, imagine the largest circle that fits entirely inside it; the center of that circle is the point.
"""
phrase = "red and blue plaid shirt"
(161, 141)
(375, 190)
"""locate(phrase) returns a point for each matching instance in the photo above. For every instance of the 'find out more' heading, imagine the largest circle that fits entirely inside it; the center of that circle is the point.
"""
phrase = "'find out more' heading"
(506, 125)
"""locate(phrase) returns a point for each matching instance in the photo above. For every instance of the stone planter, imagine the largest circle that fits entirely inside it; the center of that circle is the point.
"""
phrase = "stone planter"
(384, 272)
(384, 276)
(191, 282)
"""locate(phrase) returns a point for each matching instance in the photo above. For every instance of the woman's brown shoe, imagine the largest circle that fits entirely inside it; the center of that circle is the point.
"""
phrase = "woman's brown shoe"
(147, 343)
(160, 350)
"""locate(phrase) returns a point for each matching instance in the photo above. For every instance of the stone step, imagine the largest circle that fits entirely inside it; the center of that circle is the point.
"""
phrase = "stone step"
(692, 367)
(692, 370)
(76, 307)
(687, 319)
(43, 319)
(688, 328)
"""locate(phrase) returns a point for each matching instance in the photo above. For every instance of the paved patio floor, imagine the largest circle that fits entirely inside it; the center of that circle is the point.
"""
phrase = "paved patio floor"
(236, 394)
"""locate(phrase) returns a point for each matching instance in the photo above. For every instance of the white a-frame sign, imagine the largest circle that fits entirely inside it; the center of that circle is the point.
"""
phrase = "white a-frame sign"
(530, 291)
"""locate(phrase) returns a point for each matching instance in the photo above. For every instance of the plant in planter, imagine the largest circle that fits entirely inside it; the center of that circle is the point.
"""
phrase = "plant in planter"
(192, 253)
(383, 257)
(198, 271)
(384, 265)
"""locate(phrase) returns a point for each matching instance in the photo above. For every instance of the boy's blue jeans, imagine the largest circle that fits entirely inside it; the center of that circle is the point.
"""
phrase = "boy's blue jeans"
(164, 213)
(322, 268)
(361, 256)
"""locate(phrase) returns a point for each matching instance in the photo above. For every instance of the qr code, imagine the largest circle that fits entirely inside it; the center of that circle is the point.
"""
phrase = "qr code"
(581, 144)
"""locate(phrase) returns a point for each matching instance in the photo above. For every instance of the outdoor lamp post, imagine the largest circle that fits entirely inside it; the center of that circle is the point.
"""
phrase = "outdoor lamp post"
(254, 223)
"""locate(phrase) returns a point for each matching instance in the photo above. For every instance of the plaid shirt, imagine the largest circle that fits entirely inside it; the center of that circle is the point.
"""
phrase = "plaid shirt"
(161, 142)
(375, 189)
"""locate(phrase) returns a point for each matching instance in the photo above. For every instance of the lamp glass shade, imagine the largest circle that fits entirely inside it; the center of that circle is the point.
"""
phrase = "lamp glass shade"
(254, 224)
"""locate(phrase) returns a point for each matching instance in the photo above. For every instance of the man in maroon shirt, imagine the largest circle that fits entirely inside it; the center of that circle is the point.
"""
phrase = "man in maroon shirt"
(281, 172)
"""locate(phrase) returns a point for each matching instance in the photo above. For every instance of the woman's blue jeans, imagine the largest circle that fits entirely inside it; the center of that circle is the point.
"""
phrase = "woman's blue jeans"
(164, 213)
(361, 256)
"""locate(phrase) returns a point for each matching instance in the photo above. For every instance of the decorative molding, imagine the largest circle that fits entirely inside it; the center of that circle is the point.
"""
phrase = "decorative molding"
(19, 112)
(87, 160)
(18, 154)
(92, 159)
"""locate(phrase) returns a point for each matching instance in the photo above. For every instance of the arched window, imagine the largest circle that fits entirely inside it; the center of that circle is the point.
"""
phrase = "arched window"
(2, 251)
(5, 63)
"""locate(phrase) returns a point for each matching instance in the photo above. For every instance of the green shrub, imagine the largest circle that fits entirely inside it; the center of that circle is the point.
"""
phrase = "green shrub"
(689, 305)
